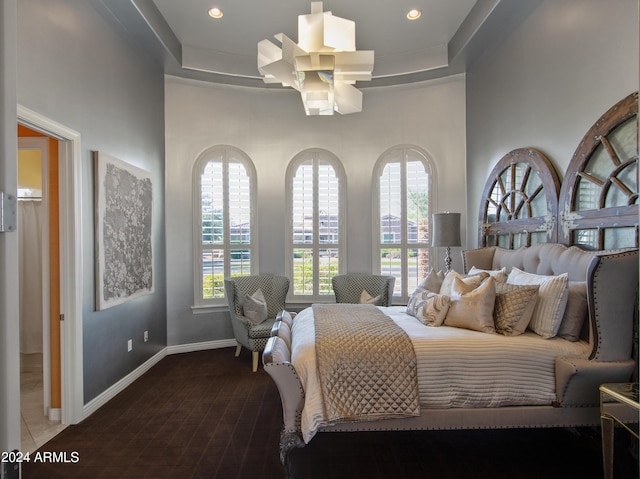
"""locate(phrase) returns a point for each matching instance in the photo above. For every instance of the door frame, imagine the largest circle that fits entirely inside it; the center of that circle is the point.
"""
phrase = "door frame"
(42, 143)
(71, 277)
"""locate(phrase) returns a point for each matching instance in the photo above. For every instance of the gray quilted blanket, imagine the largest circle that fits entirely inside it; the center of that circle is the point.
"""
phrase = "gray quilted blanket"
(366, 364)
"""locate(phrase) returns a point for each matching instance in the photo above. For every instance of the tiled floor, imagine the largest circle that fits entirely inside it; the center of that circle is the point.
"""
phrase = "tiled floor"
(36, 427)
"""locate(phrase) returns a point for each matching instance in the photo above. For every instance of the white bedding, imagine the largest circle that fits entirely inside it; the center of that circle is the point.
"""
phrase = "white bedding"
(456, 367)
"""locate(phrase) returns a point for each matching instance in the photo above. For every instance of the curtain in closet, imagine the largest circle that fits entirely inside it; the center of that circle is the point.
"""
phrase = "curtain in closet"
(30, 239)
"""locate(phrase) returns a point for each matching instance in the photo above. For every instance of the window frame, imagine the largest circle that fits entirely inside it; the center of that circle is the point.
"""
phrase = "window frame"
(200, 304)
(385, 158)
(315, 155)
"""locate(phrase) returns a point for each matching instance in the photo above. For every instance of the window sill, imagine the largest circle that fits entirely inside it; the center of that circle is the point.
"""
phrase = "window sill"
(195, 309)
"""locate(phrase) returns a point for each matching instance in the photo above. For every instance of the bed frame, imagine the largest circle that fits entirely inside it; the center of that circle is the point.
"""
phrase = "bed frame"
(523, 224)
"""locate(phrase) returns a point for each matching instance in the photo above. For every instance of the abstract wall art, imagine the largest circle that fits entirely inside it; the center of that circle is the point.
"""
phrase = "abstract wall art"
(123, 231)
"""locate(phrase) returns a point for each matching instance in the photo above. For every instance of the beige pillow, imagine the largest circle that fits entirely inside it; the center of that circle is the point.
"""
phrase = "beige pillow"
(472, 309)
(514, 307)
(552, 300)
(366, 298)
(471, 281)
(433, 281)
(429, 307)
(500, 275)
(254, 307)
(576, 311)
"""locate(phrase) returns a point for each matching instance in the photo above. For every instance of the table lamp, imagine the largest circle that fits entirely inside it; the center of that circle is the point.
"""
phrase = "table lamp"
(446, 233)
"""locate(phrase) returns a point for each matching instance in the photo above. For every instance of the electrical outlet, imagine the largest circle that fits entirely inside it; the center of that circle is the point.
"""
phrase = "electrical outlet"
(129, 345)
(146, 336)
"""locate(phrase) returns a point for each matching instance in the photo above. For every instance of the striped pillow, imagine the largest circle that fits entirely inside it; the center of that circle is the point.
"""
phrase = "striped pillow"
(552, 300)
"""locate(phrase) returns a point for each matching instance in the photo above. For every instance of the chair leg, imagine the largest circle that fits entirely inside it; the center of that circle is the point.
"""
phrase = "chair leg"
(238, 348)
(255, 354)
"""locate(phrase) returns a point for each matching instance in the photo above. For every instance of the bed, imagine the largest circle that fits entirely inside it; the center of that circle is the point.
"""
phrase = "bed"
(533, 230)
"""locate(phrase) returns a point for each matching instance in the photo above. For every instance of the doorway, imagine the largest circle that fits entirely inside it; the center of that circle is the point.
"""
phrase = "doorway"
(70, 276)
(39, 286)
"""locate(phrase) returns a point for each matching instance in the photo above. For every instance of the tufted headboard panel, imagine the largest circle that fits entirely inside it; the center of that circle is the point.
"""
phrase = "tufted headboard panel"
(541, 258)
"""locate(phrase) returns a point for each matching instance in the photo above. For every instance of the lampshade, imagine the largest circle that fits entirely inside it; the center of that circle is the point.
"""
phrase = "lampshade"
(446, 229)
(323, 66)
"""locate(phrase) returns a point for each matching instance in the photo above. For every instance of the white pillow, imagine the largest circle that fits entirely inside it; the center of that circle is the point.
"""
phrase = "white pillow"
(254, 307)
(500, 275)
(552, 300)
(366, 298)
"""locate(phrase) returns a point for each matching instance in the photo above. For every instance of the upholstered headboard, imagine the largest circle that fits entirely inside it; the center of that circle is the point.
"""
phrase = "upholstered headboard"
(596, 207)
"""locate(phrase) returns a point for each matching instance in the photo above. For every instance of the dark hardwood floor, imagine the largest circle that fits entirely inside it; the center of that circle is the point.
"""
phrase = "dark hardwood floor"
(206, 415)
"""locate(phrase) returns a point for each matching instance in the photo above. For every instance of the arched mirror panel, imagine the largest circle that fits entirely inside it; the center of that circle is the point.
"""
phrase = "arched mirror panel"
(599, 195)
(520, 201)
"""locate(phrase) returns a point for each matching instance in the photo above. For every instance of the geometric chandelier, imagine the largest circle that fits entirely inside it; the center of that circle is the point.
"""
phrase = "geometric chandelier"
(323, 66)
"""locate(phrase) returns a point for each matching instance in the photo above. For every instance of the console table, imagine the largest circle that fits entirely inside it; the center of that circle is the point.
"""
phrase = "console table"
(616, 394)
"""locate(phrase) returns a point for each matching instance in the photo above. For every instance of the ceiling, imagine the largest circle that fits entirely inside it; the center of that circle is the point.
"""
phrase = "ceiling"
(186, 42)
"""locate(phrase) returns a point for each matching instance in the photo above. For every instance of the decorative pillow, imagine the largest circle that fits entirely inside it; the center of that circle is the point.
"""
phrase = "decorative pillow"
(416, 297)
(514, 307)
(552, 300)
(500, 275)
(435, 309)
(433, 281)
(254, 307)
(287, 317)
(366, 298)
(284, 332)
(471, 281)
(472, 309)
(576, 311)
(429, 307)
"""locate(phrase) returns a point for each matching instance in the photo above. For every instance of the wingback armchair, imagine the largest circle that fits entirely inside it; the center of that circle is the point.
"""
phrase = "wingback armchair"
(348, 288)
(247, 333)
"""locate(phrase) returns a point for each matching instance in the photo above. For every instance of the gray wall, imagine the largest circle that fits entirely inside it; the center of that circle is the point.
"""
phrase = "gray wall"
(76, 69)
(567, 63)
(271, 128)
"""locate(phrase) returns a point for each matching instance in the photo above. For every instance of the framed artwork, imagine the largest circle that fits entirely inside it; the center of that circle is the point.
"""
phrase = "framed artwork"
(123, 231)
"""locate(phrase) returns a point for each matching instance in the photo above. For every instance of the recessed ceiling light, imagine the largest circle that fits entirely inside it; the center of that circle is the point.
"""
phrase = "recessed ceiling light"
(215, 12)
(414, 14)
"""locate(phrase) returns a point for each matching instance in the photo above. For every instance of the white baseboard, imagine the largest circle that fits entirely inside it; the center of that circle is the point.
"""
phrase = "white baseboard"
(188, 348)
(99, 401)
(55, 414)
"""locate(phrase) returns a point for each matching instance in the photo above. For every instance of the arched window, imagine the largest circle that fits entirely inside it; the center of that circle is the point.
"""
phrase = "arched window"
(402, 217)
(225, 239)
(315, 201)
